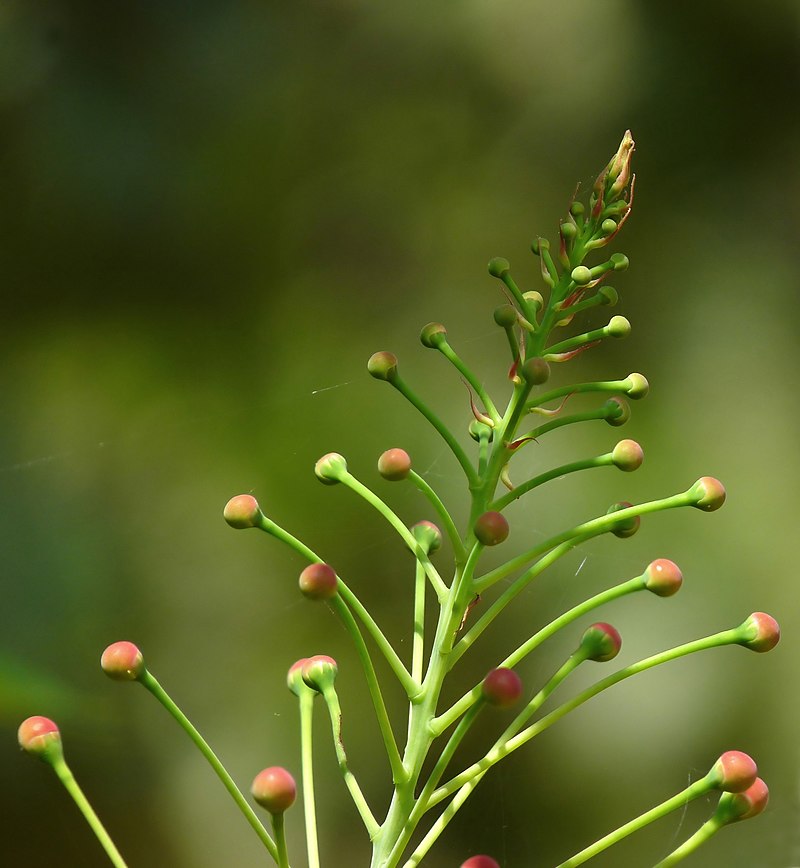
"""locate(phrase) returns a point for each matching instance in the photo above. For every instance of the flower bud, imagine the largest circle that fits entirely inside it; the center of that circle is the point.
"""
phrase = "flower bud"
(627, 526)
(383, 366)
(637, 386)
(294, 677)
(608, 295)
(319, 671)
(601, 642)
(608, 226)
(122, 661)
(330, 468)
(568, 230)
(39, 736)
(535, 298)
(751, 802)
(581, 275)
(535, 371)
(627, 455)
(710, 493)
(480, 429)
(491, 528)
(394, 464)
(434, 334)
(761, 632)
(506, 315)
(318, 582)
(734, 771)
(274, 789)
(242, 511)
(499, 267)
(618, 327)
(577, 208)
(619, 261)
(617, 412)
(663, 578)
(502, 687)
(427, 535)
(480, 862)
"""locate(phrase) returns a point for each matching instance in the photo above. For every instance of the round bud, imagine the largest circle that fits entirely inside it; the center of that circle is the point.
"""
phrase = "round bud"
(608, 226)
(601, 642)
(617, 412)
(383, 366)
(242, 511)
(619, 261)
(394, 464)
(581, 275)
(663, 578)
(608, 295)
(535, 371)
(535, 298)
(480, 429)
(491, 528)
(734, 771)
(502, 687)
(618, 327)
(569, 230)
(433, 335)
(627, 455)
(480, 862)
(626, 526)
(39, 736)
(274, 789)
(330, 468)
(762, 632)
(498, 267)
(539, 244)
(318, 582)
(638, 386)
(710, 493)
(319, 671)
(427, 535)
(576, 209)
(741, 806)
(122, 661)
(294, 677)
(506, 315)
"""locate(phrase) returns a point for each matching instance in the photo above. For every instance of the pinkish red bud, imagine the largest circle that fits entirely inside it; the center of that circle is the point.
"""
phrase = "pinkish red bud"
(274, 789)
(601, 642)
(742, 806)
(433, 335)
(39, 736)
(502, 687)
(627, 455)
(330, 468)
(122, 661)
(480, 862)
(383, 366)
(318, 582)
(319, 671)
(294, 677)
(242, 511)
(394, 464)
(761, 632)
(663, 578)
(427, 535)
(491, 528)
(734, 771)
(625, 527)
(709, 494)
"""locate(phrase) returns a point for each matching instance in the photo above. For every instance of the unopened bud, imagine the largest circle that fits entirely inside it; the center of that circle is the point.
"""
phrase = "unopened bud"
(242, 511)
(761, 632)
(568, 230)
(627, 455)
(625, 527)
(319, 671)
(480, 429)
(734, 771)
(608, 226)
(618, 327)
(427, 535)
(663, 577)
(637, 385)
(601, 642)
(394, 464)
(534, 297)
(581, 275)
(318, 582)
(506, 315)
(39, 736)
(709, 494)
(330, 468)
(608, 295)
(294, 677)
(491, 528)
(274, 789)
(122, 661)
(733, 807)
(535, 371)
(499, 267)
(502, 687)
(434, 334)
(617, 412)
(383, 366)
(576, 209)
(619, 261)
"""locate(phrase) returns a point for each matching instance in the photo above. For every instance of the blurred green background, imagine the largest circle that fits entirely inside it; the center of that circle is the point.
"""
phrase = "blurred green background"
(212, 214)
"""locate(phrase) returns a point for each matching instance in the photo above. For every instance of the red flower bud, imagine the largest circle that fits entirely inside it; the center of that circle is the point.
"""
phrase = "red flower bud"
(709, 494)
(319, 671)
(318, 582)
(601, 642)
(394, 464)
(502, 687)
(627, 455)
(294, 677)
(274, 789)
(480, 862)
(39, 736)
(663, 578)
(734, 771)
(742, 806)
(491, 528)
(761, 632)
(122, 661)
(242, 511)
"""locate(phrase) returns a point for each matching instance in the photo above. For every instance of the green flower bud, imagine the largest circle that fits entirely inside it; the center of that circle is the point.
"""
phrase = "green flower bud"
(710, 493)
(535, 371)
(502, 687)
(242, 511)
(638, 386)
(506, 315)
(383, 366)
(576, 209)
(318, 582)
(39, 736)
(663, 578)
(319, 672)
(734, 772)
(330, 468)
(480, 429)
(608, 226)
(761, 632)
(274, 789)
(627, 455)
(499, 267)
(427, 535)
(601, 642)
(581, 275)
(539, 244)
(535, 298)
(619, 261)
(394, 464)
(433, 335)
(608, 295)
(625, 527)
(491, 528)
(618, 327)
(568, 230)
(122, 661)
(617, 412)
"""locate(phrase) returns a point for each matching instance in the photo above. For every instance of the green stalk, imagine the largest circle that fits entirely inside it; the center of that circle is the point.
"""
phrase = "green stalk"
(450, 354)
(279, 830)
(579, 340)
(150, 683)
(418, 646)
(441, 509)
(703, 834)
(66, 777)
(616, 386)
(306, 698)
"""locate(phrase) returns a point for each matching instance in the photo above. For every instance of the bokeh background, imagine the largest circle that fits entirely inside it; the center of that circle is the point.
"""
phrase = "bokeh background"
(212, 214)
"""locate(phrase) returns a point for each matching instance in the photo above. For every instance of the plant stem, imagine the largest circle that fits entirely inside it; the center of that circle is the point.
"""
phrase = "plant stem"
(703, 834)
(279, 830)
(418, 647)
(447, 521)
(306, 698)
